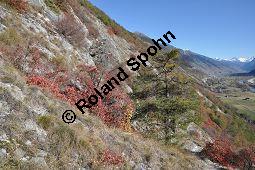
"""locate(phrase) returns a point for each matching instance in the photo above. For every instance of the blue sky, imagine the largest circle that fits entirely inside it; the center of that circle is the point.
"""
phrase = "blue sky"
(215, 28)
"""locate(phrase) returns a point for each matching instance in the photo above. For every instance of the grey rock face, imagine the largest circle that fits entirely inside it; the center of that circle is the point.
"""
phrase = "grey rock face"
(192, 146)
(19, 153)
(39, 161)
(3, 138)
(194, 129)
(2, 27)
(3, 153)
(30, 125)
(28, 143)
(42, 153)
(38, 3)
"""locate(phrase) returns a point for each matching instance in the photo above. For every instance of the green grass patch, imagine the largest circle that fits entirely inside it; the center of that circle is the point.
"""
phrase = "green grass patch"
(244, 107)
(216, 119)
(239, 127)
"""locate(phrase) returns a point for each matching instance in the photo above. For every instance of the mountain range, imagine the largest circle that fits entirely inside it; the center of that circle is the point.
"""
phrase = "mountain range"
(238, 59)
(206, 66)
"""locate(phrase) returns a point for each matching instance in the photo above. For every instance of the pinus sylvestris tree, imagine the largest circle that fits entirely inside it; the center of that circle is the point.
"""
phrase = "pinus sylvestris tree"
(155, 91)
(165, 64)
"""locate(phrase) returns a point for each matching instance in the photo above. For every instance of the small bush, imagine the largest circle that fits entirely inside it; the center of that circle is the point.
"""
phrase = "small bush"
(84, 144)
(17, 56)
(45, 122)
(71, 29)
(59, 61)
(110, 31)
(10, 37)
(216, 119)
(111, 158)
(52, 6)
(20, 5)
(93, 32)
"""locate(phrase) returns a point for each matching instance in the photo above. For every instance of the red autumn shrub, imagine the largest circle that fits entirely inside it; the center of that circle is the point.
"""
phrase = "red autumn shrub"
(30, 57)
(121, 107)
(221, 152)
(247, 158)
(46, 84)
(111, 158)
(115, 109)
(20, 5)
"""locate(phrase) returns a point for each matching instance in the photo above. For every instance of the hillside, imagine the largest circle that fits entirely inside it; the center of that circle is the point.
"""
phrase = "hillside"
(249, 66)
(54, 53)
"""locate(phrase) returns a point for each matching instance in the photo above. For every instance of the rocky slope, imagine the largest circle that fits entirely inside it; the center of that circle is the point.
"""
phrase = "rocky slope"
(49, 51)
(33, 134)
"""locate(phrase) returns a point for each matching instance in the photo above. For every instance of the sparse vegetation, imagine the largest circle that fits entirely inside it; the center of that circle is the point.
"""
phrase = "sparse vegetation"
(60, 62)
(45, 121)
(70, 29)
(113, 26)
(216, 118)
(11, 37)
(51, 4)
(19, 5)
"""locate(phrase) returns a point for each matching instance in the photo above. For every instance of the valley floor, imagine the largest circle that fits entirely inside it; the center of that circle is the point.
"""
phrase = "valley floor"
(243, 101)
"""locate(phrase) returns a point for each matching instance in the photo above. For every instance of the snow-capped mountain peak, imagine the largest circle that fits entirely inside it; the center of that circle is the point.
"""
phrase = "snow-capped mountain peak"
(240, 59)
(243, 59)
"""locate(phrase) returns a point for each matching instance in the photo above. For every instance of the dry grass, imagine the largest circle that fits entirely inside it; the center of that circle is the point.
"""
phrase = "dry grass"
(11, 37)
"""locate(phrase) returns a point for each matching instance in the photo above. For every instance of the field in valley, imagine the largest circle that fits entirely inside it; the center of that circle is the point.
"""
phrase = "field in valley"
(243, 101)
